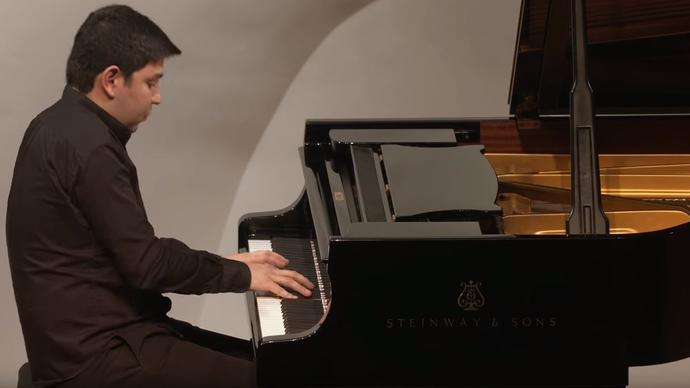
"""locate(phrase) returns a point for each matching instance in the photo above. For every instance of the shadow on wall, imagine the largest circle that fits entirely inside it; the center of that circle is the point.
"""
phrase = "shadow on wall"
(252, 91)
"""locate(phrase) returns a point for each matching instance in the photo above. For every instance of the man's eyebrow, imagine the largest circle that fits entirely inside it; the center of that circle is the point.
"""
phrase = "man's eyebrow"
(156, 76)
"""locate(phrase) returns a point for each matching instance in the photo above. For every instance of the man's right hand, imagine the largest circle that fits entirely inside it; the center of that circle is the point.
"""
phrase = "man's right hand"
(269, 275)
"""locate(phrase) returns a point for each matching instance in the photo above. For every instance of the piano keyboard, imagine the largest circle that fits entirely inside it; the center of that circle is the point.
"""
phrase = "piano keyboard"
(285, 316)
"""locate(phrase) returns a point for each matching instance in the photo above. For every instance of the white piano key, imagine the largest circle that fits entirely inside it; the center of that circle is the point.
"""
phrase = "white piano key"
(319, 278)
(259, 245)
(270, 311)
(270, 316)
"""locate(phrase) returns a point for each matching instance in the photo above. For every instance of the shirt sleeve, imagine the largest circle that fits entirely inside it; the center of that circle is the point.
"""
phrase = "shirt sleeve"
(105, 192)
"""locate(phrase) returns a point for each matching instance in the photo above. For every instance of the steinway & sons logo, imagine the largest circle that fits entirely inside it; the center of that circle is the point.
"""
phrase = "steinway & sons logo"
(471, 297)
(471, 300)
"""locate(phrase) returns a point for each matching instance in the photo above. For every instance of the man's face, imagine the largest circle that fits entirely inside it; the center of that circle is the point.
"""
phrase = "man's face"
(137, 96)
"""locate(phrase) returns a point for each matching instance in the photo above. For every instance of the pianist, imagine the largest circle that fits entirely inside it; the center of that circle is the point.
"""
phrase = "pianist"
(87, 269)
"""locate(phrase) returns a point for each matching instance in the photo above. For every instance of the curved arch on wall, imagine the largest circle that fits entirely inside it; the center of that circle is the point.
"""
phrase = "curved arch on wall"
(219, 105)
(393, 58)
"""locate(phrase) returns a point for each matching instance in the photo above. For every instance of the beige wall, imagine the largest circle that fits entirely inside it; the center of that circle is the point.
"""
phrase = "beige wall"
(223, 143)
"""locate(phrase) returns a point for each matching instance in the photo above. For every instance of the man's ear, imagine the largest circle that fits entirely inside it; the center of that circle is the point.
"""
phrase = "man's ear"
(110, 79)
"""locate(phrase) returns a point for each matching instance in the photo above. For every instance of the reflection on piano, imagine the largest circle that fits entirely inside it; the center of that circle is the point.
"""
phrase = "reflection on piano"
(439, 247)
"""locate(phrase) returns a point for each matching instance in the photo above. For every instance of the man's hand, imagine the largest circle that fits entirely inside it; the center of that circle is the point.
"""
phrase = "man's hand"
(268, 274)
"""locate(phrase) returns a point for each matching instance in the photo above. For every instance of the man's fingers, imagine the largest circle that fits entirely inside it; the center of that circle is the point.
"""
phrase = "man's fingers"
(293, 284)
(275, 259)
(281, 292)
(298, 277)
(266, 276)
(267, 257)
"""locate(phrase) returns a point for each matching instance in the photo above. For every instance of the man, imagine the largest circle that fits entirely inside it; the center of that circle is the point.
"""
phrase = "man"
(87, 269)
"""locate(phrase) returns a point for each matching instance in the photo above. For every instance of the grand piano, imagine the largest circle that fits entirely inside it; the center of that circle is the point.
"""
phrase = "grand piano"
(468, 253)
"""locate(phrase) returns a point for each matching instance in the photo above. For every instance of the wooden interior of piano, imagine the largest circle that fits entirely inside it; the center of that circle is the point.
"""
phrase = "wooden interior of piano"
(640, 73)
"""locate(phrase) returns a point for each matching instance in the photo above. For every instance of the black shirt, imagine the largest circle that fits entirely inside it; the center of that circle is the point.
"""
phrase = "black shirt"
(86, 264)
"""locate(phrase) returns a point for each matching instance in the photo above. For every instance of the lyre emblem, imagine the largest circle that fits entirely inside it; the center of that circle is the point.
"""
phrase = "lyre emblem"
(471, 297)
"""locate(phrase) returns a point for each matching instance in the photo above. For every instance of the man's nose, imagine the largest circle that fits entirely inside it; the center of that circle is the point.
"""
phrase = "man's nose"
(156, 99)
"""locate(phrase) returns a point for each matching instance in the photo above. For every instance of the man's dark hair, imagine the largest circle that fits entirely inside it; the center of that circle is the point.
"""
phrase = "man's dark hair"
(115, 35)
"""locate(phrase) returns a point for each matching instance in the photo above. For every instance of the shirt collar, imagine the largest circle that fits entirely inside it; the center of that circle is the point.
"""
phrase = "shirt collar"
(120, 130)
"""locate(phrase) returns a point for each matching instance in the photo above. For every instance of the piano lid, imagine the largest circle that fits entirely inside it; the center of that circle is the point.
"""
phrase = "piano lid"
(639, 57)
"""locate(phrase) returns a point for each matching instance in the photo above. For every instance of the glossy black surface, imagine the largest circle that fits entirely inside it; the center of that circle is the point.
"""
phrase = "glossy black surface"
(449, 301)
(573, 312)
(639, 56)
(556, 311)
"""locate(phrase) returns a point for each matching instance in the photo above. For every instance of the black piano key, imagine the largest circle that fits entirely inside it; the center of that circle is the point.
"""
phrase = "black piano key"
(301, 314)
(304, 313)
(299, 252)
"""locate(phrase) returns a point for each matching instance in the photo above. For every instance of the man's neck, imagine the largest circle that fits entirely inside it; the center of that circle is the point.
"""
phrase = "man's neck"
(99, 98)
